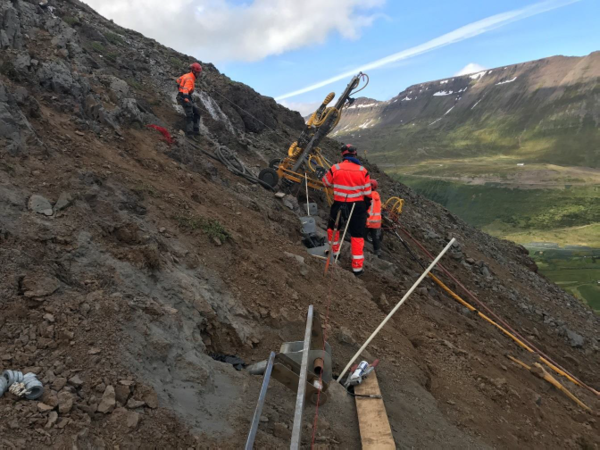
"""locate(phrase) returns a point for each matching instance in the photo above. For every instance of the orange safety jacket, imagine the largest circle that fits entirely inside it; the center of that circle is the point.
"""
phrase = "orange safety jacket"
(186, 83)
(374, 219)
(350, 182)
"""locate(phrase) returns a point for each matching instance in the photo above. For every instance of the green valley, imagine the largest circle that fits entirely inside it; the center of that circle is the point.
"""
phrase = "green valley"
(546, 221)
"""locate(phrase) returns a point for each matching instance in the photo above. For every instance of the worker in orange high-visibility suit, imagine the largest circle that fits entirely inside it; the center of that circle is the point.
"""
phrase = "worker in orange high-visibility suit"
(186, 84)
(374, 219)
(351, 184)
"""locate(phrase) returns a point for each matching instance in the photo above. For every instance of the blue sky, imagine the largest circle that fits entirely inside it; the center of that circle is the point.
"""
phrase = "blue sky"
(254, 41)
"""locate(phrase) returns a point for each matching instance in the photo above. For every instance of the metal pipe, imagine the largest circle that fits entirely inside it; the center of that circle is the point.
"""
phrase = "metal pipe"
(318, 366)
(393, 311)
(261, 402)
(301, 395)
(307, 207)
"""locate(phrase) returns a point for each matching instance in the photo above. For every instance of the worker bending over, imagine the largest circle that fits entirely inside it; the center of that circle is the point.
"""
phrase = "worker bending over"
(351, 185)
(186, 84)
(374, 219)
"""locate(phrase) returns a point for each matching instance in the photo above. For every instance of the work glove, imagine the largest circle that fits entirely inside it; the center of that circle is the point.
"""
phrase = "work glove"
(186, 100)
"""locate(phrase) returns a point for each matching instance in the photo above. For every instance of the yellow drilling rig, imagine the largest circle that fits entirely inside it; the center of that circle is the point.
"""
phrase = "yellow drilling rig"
(304, 161)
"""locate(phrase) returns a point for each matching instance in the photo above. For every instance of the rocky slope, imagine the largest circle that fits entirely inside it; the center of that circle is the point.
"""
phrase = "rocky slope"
(127, 262)
(544, 111)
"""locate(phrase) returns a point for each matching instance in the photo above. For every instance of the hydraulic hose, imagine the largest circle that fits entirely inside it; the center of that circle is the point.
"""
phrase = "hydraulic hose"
(233, 163)
(27, 385)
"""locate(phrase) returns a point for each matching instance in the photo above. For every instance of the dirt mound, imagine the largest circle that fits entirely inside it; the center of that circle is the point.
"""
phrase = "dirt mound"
(127, 262)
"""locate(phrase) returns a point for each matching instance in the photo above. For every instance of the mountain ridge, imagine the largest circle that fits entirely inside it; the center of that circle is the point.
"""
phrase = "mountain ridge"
(532, 107)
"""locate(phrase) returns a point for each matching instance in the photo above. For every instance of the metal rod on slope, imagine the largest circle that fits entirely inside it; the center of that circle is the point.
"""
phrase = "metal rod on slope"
(307, 207)
(261, 402)
(301, 395)
(393, 311)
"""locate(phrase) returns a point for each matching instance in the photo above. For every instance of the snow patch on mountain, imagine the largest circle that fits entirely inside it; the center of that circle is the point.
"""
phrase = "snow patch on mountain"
(477, 76)
(506, 82)
(365, 105)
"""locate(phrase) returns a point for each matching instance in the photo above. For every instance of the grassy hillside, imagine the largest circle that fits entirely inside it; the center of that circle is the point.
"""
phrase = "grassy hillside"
(501, 211)
(534, 218)
(576, 271)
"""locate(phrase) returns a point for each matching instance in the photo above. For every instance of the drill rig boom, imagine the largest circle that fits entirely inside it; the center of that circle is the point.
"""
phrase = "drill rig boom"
(304, 160)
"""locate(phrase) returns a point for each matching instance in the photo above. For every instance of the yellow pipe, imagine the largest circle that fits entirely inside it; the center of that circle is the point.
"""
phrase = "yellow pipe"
(483, 316)
(554, 382)
(521, 363)
(560, 372)
(506, 332)
(540, 372)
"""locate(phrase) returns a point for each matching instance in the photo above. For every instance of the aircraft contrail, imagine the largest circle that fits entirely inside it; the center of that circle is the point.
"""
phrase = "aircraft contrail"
(460, 34)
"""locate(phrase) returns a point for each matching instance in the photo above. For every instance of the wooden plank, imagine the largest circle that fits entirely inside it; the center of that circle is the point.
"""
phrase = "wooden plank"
(375, 430)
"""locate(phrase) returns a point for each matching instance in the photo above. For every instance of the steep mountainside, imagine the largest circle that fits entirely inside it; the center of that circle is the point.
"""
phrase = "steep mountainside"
(545, 111)
(126, 262)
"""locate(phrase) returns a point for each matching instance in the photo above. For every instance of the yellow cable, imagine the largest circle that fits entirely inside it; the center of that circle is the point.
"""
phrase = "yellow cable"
(505, 331)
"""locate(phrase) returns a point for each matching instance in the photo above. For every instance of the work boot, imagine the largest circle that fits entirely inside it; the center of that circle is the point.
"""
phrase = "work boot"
(378, 253)
(358, 274)
(196, 132)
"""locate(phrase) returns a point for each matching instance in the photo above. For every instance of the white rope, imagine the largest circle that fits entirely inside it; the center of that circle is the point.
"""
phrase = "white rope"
(393, 311)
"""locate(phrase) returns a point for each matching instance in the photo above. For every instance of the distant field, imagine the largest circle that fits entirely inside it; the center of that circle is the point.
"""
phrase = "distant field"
(567, 216)
(583, 235)
(532, 215)
(576, 271)
(500, 169)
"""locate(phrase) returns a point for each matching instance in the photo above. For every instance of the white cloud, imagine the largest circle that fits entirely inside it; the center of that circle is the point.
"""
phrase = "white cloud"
(303, 108)
(469, 69)
(460, 34)
(219, 30)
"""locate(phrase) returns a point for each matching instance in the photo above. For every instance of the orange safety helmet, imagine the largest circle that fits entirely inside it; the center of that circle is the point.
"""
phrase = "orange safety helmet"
(196, 68)
(374, 184)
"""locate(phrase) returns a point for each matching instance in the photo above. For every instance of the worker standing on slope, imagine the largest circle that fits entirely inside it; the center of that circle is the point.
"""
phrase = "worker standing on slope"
(186, 84)
(351, 185)
(374, 219)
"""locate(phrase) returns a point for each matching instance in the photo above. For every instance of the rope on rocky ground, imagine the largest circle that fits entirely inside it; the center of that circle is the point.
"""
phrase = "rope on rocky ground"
(233, 163)
(523, 342)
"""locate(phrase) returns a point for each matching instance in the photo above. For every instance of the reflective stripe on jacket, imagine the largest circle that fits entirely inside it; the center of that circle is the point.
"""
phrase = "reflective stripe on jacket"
(186, 83)
(374, 219)
(350, 182)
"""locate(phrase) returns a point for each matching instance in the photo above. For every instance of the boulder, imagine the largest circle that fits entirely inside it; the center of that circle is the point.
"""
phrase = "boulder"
(133, 403)
(64, 201)
(575, 339)
(37, 287)
(108, 402)
(122, 394)
(52, 419)
(76, 381)
(65, 402)
(40, 205)
(42, 407)
(133, 419)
